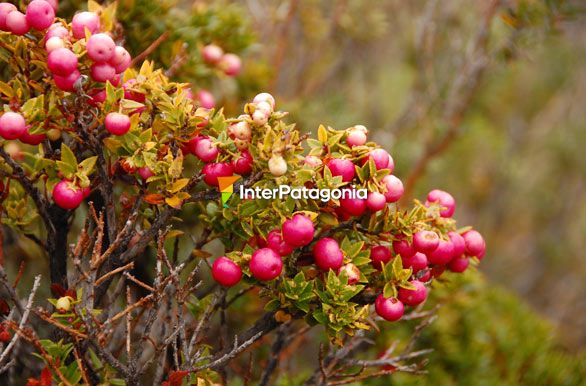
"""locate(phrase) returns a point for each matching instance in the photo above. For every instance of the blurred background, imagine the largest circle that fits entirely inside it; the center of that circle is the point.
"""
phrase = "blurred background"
(482, 98)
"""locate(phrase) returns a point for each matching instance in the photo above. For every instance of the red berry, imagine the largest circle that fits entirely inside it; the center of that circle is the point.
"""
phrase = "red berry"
(352, 272)
(5, 9)
(39, 14)
(458, 243)
(424, 276)
(394, 188)
(212, 53)
(4, 336)
(230, 64)
(327, 254)
(442, 254)
(145, 173)
(403, 248)
(417, 262)
(265, 264)
(83, 20)
(204, 149)
(16, 23)
(380, 254)
(31, 139)
(276, 243)
(66, 195)
(67, 83)
(102, 72)
(12, 125)
(342, 167)
(444, 199)
(100, 48)
(97, 96)
(205, 99)
(117, 123)
(425, 241)
(415, 296)
(376, 201)
(382, 159)
(353, 206)
(121, 59)
(62, 62)
(459, 264)
(243, 164)
(212, 171)
(226, 272)
(390, 309)
(298, 230)
(475, 245)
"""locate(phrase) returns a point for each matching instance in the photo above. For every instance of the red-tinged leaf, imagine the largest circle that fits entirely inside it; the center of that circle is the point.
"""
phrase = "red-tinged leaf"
(4, 307)
(57, 290)
(33, 382)
(154, 199)
(176, 377)
(71, 293)
(46, 377)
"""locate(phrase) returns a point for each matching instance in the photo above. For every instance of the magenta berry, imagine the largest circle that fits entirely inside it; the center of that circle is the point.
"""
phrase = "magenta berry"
(212, 54)
(31, 139)
(298, 230)
(204, 149)
(459, 264)
(327, 254)
(376, 201)
(265, 264)
(458, 243)
(243, 164)
(417, 262)
(353, 206)
(16, 23)
(415, 296)
(390, 309)
(102, 72)
(352, 273)
(66, 195)
(226, 272)
(39, 14)
(5, 9)
(380, 254)
(403, 248)
(121, 59)
(100, 48)
(62, 62)
(444, 199)
(83, 20)
(442, 254)
(342, 167)
(145, 173)
(230, 64)
(276, 243)
(425, 241)
(382, 159)
(475, 245)
(205, 99)
(117, 123)
(212, 171)
(12, 125)
(394, 188)
(67, 83)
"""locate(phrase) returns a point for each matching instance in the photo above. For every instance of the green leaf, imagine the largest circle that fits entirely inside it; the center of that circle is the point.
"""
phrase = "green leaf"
(68, 157)
(87, 165)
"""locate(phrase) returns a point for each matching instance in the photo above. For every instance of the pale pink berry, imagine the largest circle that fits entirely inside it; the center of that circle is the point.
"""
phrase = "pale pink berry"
(356, 138)
(226, 272)
(277, 165)
(83, 20)
(102, 72)
(312, 161)
(415, 296)
(382, 159)
(298, 230)
(425, 241)
(241, 130)
(444, 199)
(16, 23)
(230, 64)
(376, 201)
(62, 62)
(212, 53)
(205, 99)
(205, 149)
(40, 14)
(12, 125)
(117, 123)
(265, 264)
(442, 254)
(100, 48)
(57, 30)
(352, 273)
(265, 97)
(67, 83)
(390, 309)
(394, 188)
(380, 254)
(342, 167)
(327, 254)
(5, 9)
(54, 43)
(121, 59)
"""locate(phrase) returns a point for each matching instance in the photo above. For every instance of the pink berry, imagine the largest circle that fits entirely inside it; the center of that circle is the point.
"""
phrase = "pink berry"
(31, 139)
(312, 161)
(382, 159)
(66, 195)
(57, 30)
(458, 243)
(415, 296)
(12, 125)
(145, 173)
(5, 9)
(131, 94)
(67, 83)
(39, 14)
(117, 123)
(403, 248)
(100, 48)
(16, 23)
(205, 99)
(276, 243)
(265, 97)
(54, 43)
(265, 264)
(352, 273)
(459, 264)
(102, 72)
(240, 130)
(442, 254)
(342, 167)
(54, 4)
(83, 20)
(417, 262)
(212, 53)
(121, 59)
(226, 272)
(62, 62)
(390, 309)
(243, 164)
(394, 187)
(204, 149)
(298, 230)
(230, 64)
(212, 171)
(380, 254)
(353, 206)
(444, 199)
(425, 241)
(475, 245)
(327, 254)
(376, 201)
(356, 138)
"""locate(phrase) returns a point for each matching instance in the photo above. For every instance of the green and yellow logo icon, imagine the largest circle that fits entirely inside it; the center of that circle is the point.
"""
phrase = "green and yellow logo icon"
(226, 185)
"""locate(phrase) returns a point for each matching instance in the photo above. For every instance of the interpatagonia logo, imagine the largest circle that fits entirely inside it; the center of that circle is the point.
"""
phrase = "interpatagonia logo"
(226, 185)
